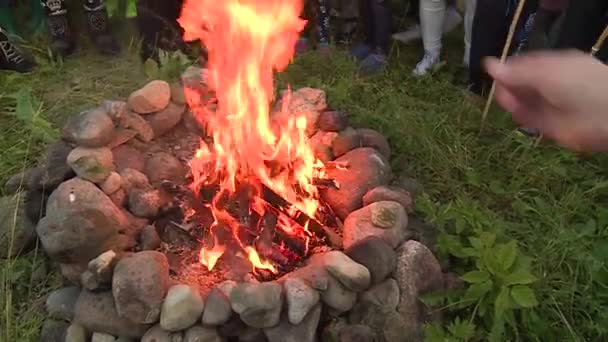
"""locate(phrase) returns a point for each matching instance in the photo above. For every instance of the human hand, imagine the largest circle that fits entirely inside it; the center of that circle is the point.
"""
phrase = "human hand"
(563, 94)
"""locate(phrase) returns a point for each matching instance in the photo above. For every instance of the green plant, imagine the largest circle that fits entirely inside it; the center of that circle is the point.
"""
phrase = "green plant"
(170, 65)
(497, 274)
(28, 110)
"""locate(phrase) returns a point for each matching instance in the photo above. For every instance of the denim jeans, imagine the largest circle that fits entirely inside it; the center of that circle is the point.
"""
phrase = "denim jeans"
(377, 21)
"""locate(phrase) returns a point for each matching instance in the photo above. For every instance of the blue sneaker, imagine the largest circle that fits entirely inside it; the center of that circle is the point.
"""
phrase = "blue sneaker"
(360, 51)
(374, 63)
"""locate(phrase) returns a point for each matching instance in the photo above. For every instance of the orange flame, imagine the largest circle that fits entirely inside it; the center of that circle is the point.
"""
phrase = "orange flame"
(247, 40)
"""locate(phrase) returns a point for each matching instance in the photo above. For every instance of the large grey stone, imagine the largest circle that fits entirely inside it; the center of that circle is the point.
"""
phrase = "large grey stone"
(17, 232)
(300, 299)
(60, 304)
(164, 166)
(76, 333)
(138, 124)
(92, 164)
(92, 128)
(157, 334)
(217, 308)
(389, 193)
(139, 285)
(385, 294)
(127, 157)
(386, 220)
(258, 305)
(53, 331)
(374, 139)
(306, 331)
(354, 276)
(97, 312)
(144, 203)
(81, 223)
(367, 170)
(166, 119)
(202, 334)
(181, 309)
(376, 255)
(101, 337)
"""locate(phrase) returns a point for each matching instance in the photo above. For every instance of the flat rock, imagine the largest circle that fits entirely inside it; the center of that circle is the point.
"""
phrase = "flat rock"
(111, 184)
(367, 170)
(376, 255)
(153, 97)
(375, 140)
(81, 223)
(166, 119)
(385, 294)
(121, 137)
(101, 337)
(17, 232)
(97, 312)
(135, 122)
(306, 331)
(144, 203)
(198, 333)
(389, 193)
(164, 166)
(333, 121)
(133, 179)
(354, 276)
(181, 309)
(127, 157)
(417, 273)
(338, 297)
(92, 164)
(346, 141)
(139, 285)
(92, 128)
(300, 299)
(76, 333)
(60, 304)
(53, 331)
(217, 309)
(358, 225)
(258, 305)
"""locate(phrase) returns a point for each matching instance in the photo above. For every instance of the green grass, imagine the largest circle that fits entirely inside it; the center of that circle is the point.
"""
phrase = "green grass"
(551, 201)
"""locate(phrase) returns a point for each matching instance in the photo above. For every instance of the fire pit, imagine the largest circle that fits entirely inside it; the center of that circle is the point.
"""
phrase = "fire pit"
(209, 210)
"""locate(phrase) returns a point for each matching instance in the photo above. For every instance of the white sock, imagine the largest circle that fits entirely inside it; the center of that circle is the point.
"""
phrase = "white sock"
(432, 15)
(469, 15)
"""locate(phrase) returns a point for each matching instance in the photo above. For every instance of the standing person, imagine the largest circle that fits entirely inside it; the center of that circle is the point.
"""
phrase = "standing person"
(62, 37)
(490, 30)
(377, 23)
(450, 22)
(548, 13)
(584, 22)
(432, 19)
(158, 26)
(11, 57)
(317, 12)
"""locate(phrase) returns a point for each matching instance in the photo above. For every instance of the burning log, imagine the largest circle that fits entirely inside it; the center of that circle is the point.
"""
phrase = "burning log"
(301, 218)
(326, 183)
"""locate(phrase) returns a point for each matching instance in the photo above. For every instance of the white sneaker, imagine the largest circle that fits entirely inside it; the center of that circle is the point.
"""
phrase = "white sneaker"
(450, 22)
(429, 63)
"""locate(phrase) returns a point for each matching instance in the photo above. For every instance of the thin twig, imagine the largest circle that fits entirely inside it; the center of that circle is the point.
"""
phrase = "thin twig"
(600, 41)
(503, 57)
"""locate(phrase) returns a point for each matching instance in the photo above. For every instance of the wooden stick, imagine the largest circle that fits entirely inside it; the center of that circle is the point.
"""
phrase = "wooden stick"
(505, 54)
(600, 41)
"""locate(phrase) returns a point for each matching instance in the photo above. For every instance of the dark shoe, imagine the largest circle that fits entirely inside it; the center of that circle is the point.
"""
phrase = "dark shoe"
(62, 39)
(360, 51)
(99, 27)
(11, 58)
(373, 63)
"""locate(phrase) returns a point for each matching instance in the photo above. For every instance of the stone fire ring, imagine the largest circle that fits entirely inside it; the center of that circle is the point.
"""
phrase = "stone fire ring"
(105, 180)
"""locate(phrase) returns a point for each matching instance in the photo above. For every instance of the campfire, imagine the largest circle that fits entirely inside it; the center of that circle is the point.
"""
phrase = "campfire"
(224, 208)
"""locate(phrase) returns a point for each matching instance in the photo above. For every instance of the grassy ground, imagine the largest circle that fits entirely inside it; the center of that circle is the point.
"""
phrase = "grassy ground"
(551, 201)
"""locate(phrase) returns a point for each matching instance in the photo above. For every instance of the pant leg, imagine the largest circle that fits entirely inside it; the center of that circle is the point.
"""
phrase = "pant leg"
(432, 15)
(583, 23)
(382, 17)
(323, 28)
(368, 20)
(469, 15)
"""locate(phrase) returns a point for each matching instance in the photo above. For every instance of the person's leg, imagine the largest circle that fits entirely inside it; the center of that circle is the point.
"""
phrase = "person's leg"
(413, 32)
(382, 18)
(7, 19)
(349, 15)
(11, 58)
(361, 50)
(62, 39)
(583, 23)
(99, 27)
(323, 28)
(432, 14)
(469, 15)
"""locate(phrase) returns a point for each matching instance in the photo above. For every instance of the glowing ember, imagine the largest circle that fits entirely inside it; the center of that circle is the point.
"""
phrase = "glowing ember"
(247, 40)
